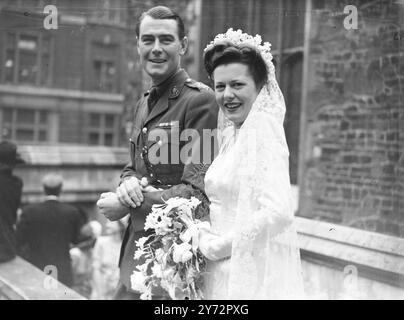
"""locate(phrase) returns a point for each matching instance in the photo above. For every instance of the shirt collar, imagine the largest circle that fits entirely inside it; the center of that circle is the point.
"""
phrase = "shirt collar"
(170, 81)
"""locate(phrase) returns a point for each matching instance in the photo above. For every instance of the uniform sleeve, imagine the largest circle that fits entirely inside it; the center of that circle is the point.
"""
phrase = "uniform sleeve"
(130, 169)
(128, 172)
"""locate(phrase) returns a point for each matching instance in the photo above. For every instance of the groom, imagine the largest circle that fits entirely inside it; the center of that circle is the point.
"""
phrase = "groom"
(173, 104)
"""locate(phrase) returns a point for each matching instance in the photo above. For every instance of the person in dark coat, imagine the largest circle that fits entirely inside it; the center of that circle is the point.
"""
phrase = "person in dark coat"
(175, 106)
(46, 230)
(10, 199)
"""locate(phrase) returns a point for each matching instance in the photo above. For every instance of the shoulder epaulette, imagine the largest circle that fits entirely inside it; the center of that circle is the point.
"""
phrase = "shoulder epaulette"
(196, 85)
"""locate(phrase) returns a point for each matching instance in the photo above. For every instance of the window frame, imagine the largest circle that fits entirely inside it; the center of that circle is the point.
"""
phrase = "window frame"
(101, 130)
(36, 126)
(40, 52)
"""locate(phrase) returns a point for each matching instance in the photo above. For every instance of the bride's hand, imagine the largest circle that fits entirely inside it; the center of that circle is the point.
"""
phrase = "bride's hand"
(214, 247)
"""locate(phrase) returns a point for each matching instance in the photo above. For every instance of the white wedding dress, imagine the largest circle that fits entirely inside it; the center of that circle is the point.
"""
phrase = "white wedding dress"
(222, 196)
(252, 243)
(255, 252)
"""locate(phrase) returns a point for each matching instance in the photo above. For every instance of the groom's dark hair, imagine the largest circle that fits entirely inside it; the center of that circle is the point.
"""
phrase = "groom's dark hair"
(162, 12)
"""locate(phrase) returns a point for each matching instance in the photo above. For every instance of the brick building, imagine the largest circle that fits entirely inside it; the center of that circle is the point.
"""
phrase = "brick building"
(343, 91)
(352, 142)
(64, 85)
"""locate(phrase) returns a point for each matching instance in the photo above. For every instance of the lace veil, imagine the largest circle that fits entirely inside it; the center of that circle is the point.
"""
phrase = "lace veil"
(265, 260)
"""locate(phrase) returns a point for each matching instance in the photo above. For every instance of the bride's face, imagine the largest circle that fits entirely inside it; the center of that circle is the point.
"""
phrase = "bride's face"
(235, 91)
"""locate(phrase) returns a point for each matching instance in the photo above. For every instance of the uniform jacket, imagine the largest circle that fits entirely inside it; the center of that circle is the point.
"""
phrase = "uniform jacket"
(45, 232)
(183, 104)
(10, 197)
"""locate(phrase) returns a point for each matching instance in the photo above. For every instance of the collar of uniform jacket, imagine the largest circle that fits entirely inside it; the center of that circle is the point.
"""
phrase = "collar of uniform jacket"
(173, 85)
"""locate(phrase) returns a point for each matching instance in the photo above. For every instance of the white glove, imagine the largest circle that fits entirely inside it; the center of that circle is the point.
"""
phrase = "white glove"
(214, 247)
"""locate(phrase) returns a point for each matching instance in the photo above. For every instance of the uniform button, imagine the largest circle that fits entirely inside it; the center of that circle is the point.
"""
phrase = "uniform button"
(144, 130)
(174, 91)
(160, 143)
(151, 175)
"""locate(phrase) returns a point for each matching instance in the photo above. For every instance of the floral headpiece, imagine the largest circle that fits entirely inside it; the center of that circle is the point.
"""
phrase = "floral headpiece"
(239, 37)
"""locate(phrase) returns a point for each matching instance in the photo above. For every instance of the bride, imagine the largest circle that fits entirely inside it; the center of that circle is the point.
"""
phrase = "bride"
(251, 245)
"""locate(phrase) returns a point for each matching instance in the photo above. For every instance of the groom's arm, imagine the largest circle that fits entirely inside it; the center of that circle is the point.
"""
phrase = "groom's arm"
(192, 186)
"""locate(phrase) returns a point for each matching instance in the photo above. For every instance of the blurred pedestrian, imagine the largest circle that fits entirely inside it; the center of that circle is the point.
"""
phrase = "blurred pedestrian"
(46, 230)
(105, 261)
(82, 258)
(10, 199)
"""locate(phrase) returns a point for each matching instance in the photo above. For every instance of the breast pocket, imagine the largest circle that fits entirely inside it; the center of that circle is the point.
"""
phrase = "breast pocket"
(164, 144)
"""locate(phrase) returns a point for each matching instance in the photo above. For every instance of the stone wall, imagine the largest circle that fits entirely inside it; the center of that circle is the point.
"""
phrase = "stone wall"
(87, 172)
(342, 263)
(353, 142)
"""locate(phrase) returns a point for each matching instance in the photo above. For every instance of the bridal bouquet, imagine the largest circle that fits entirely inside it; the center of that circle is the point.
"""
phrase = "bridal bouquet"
(172, 260)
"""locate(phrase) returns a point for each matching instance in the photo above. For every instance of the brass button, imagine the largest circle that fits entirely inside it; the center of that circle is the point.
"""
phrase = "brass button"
(144, 130)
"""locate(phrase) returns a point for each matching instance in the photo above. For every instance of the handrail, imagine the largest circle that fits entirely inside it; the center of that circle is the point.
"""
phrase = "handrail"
(20, 280)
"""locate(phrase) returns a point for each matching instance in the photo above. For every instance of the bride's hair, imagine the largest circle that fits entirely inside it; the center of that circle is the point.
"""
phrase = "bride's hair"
(227, 52)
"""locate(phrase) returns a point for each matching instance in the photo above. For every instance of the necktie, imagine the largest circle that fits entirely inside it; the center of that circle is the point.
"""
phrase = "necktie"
(152, 99)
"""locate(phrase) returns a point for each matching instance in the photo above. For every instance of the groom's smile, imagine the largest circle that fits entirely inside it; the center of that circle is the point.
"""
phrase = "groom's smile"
(160, 47)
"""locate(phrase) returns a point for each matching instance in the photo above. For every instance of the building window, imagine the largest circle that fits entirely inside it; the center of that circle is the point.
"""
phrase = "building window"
(110, 11)
(28, 5)
(102, 129)
(24, 125)
(27, 59)
(105, 75)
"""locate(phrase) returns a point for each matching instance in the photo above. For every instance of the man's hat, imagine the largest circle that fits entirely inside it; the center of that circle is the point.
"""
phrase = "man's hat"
(8, 153)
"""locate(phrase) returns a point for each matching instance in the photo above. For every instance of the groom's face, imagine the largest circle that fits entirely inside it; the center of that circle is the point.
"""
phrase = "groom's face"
(160, 48)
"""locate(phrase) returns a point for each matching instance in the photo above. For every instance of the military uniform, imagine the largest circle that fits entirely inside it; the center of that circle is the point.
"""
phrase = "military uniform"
(181, 103)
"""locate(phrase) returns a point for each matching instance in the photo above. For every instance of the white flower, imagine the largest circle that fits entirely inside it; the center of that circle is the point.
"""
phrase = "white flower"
(160, 255)
(143, 267)
(146, 296)
(194, 202)
(240, 38)
(182, 252)
(187, 256)
(186, 210)
(168, 273)
(164, 225)
(157, 270)
(137, 280)
(140, 243)
(138, 254)
(169, 286)
(158, 221)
